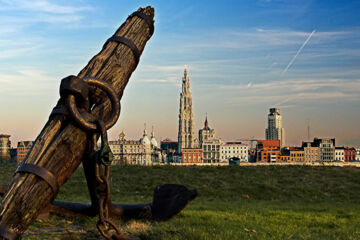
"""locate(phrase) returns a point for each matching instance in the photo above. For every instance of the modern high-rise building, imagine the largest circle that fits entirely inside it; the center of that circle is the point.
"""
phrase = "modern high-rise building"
(275, 131)
(186, 116)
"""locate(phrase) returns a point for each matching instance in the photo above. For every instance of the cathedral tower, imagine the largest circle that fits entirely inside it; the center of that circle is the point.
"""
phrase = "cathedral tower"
(186, 116)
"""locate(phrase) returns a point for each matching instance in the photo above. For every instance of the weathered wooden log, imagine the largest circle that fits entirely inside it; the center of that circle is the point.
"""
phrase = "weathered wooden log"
(61, 144)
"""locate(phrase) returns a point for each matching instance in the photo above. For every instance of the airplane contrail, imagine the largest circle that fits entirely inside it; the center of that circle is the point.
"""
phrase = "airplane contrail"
(297, 53)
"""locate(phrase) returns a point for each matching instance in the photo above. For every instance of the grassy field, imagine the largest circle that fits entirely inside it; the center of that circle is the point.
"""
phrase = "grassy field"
(263, 202)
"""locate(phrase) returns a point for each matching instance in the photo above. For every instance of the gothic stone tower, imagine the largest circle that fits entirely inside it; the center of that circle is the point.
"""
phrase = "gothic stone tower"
(186, 116)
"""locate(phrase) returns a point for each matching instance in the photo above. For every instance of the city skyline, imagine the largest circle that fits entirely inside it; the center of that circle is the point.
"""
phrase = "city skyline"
(255, 55)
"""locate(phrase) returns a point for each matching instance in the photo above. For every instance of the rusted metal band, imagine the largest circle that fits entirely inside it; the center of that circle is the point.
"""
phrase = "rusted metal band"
(147, 19)
(41, 172)
(8, 234)
(128, 43)
(75, 86)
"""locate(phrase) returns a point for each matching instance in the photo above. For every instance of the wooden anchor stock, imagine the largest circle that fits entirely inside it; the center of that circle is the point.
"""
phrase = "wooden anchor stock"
(62, 145)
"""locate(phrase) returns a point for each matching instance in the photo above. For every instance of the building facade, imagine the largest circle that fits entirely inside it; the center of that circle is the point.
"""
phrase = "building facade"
(186, 116)
(235, 150)
(296, 155)
(285, 155)
(271, 156)
(326, 148)
(23, 147)
(170, 148)
(339, 154)
(211, 151)
(275, 131)
(5, 145)
(311, 153)
(350, 154)
(140, 152)
(357, 157)
(268, 151)
(206, 133)
(191, 156)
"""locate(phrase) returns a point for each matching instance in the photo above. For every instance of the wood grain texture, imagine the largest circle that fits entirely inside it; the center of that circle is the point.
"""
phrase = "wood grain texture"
(61, 145)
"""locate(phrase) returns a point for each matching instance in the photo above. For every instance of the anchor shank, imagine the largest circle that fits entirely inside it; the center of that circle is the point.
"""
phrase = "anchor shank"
(61, 144)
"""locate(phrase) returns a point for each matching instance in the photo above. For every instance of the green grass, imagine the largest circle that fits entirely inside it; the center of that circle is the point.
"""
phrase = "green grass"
(262, 202)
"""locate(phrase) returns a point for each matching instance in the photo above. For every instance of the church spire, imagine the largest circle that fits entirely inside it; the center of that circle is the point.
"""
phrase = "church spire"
(145, 133)
(153, 139)
(206, 123)
(186, 81)
(186, 116)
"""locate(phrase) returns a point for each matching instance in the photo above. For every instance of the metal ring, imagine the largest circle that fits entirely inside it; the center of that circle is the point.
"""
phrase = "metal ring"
(105, 233)
(115, 105)
(8, 233)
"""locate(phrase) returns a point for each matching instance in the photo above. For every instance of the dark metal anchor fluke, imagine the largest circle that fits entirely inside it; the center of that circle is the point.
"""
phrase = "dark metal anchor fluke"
(169, 200)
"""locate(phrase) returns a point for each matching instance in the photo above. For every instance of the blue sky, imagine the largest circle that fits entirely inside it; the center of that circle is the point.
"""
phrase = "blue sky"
(243, 57)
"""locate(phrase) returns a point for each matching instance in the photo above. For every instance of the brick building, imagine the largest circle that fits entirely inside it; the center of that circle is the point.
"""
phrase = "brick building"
(350, 154)
(268, 151)
(191, 155)
(326, 150)
(296, 155)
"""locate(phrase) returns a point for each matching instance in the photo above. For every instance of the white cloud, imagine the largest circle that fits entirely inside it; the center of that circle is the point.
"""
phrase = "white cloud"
(257, 38)
(295, 90)
(298, 84)
(27, 82)
(167, 68)
(41, 6)
(154, 81)
(39, 11)
(166, 74)
(59, 18)
(16, 51)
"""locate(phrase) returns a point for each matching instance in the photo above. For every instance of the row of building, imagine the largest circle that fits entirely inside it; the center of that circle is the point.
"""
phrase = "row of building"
(319, 150)
(188, 149)
(206, 148)
(9, 154)
(146, 151)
